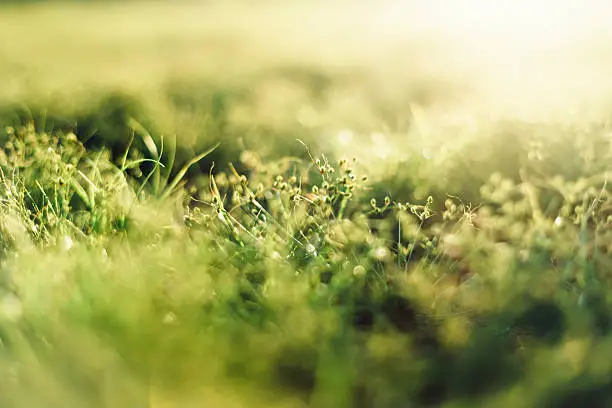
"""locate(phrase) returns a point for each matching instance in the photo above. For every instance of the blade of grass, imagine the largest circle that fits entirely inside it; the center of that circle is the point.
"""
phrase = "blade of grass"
(170, 187)
(153, 150)
(171, 156)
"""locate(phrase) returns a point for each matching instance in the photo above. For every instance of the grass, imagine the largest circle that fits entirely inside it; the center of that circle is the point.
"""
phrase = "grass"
(288, 229)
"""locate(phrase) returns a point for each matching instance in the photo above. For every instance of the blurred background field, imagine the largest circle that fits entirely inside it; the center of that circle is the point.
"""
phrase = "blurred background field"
(418, 76)
(507, 108)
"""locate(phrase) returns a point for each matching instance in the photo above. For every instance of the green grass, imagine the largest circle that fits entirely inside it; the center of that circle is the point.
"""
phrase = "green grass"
(228, 225)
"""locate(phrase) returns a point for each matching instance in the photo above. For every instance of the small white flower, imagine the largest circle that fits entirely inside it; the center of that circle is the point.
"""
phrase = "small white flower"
(359, 270)
(381, 253)
(558, 221)
(311, 249)
(67, 243)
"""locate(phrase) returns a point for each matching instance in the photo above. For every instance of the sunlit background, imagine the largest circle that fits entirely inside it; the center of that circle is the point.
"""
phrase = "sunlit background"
(521, 56)
(432, 97)
(380, 80)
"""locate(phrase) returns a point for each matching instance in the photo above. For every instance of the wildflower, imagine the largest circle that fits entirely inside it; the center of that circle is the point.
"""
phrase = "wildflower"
(380, 253)
(311, 250)
(359, 271)
(67, 243)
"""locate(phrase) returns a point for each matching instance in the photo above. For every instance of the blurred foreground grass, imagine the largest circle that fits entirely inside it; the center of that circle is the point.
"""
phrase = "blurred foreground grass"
(440, 235)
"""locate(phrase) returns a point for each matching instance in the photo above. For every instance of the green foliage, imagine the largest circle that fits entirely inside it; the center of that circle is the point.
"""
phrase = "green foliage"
(292, 279)
(285, 234)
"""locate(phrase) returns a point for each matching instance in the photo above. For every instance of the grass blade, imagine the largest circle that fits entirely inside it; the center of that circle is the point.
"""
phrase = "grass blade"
(179, 176)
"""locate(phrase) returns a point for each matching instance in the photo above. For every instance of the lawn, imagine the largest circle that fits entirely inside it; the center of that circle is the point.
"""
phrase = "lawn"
(300, 204)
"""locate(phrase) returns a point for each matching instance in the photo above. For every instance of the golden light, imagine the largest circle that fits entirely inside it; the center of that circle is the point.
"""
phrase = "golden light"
(524, 55)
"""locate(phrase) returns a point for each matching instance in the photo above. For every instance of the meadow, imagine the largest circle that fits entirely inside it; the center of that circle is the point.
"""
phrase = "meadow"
(305, 204)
